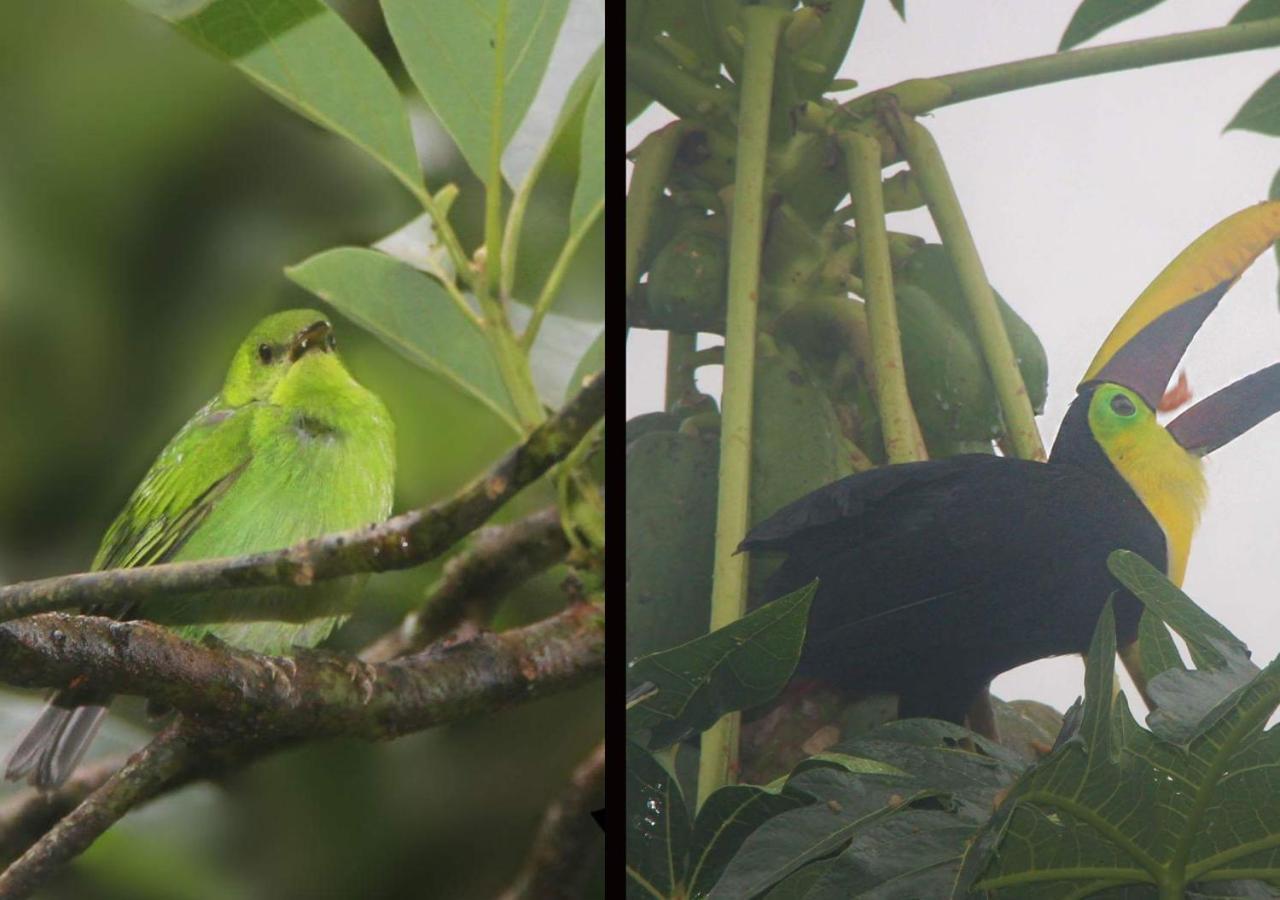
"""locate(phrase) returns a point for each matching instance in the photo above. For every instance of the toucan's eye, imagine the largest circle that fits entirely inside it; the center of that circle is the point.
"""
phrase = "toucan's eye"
(1122, 406)
(266, 354)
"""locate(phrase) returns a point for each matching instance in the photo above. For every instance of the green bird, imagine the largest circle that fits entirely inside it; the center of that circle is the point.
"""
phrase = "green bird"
(292, 447)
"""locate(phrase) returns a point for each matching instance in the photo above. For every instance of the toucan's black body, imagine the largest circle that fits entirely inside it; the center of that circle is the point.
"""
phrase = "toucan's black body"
(982, 562)
(937, 576)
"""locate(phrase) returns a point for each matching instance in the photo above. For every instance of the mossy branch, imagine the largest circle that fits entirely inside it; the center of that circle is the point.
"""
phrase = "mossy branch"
(404, 541)
(238, 706)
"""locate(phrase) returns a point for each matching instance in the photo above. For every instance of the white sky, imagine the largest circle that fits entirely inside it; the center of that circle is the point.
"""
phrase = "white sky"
(1078, 194)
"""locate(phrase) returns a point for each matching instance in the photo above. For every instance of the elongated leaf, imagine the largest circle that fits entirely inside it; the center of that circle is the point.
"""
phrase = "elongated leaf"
(580, 39)
(301, 52)
(588, 196)
(735, 667)
(456, 53)
(592, 361)
(657, 827)
(561, 153)
(1261, 112)
(1118, 807)
(1255, 10)
(728, 817)
(1095, 16)
(897, 842)
(900, 7)
(411, 313)
(1203, 633)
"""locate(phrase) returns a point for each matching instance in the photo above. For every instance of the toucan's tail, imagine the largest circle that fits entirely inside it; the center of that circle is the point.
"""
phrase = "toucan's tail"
(55, 743)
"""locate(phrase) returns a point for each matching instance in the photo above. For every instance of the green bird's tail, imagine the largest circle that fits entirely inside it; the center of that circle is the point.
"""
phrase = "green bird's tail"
(55, 743)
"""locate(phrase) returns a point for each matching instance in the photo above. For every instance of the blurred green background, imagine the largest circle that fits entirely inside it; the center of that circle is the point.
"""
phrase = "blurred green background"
(149, 198)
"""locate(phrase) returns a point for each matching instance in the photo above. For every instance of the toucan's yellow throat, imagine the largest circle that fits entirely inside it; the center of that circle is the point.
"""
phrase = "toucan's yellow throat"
(1167, 479)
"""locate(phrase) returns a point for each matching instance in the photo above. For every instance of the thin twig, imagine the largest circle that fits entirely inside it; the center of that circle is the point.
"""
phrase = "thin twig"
(407, 540)
(569, 840)
(501, 558)
(26, 816)
(142, 777)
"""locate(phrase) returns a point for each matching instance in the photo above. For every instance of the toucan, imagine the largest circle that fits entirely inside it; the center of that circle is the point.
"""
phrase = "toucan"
(936, 576)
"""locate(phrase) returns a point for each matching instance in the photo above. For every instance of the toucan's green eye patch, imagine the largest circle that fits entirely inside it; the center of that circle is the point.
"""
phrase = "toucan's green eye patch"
(1122, 406)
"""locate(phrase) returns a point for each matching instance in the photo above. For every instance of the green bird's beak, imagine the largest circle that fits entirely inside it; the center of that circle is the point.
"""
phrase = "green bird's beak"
(1144, 348)
(316, 336)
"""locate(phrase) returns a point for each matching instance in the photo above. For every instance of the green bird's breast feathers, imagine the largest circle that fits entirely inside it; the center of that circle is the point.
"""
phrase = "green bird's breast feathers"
(312, 452)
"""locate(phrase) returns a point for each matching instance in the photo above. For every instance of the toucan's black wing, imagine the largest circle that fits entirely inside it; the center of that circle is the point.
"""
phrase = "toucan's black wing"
(934, 576)
(844, 504)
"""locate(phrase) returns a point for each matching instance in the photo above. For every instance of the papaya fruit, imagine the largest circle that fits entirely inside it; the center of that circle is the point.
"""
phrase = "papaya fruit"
(687, 280)
(671, 493)
(930, 268)
(947, 379)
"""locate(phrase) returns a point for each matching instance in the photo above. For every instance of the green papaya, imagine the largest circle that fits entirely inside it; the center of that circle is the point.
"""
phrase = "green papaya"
(688, 280)
(930, 268)
(797, 441)
(952, 394)
(670, 538)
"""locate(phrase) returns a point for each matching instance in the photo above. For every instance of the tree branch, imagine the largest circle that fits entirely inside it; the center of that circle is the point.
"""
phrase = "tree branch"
(28, 815)
(568, 841)
(401, 542)
(501, 558)
(314, 694)
(238, 706)
(142, 777)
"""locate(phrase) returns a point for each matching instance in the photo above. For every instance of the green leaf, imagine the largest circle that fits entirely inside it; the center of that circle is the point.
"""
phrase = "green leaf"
(411, 313)
(1261, 112)
(657, 827)
(900, 7)
(908, 822)
(1095, 16)
(1203, 633)
(1156, 649)
(735, 667)
(592, 361)
(303, 53)
(1119, 807)
(725, 821)
(540, 212)
(457, 52)
(1256, 10)
(588, 196)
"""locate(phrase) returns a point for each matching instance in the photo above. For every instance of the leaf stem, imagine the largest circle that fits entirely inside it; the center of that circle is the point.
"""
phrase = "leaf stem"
(902, 439)
(944, 206)
(555, 278)
(958, 87)
(763, 27)
(653, 160)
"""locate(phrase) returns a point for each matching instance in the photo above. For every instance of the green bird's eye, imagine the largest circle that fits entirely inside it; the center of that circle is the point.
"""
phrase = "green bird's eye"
(265, 353)
(1122, 406)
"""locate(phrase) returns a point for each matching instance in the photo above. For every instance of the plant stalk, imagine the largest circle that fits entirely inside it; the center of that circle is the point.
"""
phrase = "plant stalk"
(902, 439)
(729, 590)
(680, 379)
(940, 195)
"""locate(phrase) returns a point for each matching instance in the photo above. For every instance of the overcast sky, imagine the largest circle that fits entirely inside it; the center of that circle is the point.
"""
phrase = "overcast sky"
(1078, 194)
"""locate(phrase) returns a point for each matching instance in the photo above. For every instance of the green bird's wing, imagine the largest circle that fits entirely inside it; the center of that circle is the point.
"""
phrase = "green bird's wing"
(184, 483)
